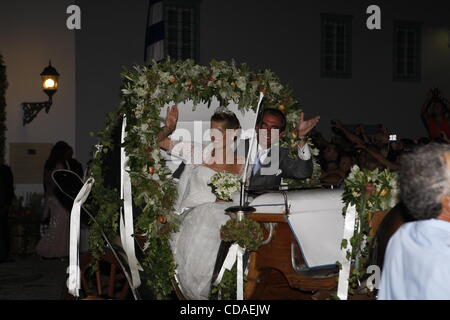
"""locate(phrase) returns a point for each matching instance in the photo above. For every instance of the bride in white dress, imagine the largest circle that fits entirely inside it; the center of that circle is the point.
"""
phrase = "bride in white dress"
(196, 245)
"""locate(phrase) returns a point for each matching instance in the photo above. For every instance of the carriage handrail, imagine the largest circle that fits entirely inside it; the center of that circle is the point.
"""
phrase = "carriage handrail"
(291, 187)
(283, 192)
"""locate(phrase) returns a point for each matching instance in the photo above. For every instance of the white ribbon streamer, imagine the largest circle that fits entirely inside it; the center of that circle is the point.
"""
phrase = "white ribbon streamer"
(344, 273)
(228, 263)
(240, 270)
(250, 152)
(74, 281)
(126, 213)
(234, 253)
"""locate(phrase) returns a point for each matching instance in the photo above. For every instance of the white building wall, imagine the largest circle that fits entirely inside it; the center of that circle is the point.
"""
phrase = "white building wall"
(285, 36)
(31, 33)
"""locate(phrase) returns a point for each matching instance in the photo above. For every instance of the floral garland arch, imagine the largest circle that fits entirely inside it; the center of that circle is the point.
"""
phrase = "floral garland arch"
(145, 90)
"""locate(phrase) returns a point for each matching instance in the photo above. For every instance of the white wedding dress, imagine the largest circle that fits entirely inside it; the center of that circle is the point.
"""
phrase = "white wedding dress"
(196, 245)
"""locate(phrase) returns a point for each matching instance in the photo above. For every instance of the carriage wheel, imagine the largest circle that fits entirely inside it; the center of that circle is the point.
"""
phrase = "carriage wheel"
(107, 282)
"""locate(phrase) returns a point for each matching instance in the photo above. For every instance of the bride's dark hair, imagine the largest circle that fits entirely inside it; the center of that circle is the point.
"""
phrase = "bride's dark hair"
(227, 117)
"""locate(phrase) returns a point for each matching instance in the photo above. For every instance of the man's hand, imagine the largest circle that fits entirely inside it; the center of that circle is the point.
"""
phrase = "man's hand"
(171, 118)
(304, 127)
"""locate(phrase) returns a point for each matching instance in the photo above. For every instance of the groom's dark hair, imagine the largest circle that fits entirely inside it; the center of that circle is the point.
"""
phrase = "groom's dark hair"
(273, 112)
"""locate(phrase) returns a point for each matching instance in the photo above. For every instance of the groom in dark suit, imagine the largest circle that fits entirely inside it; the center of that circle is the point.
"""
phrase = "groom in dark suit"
(272, 161)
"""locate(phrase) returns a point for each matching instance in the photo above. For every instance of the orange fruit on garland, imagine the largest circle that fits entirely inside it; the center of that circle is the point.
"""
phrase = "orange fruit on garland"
(161, 219)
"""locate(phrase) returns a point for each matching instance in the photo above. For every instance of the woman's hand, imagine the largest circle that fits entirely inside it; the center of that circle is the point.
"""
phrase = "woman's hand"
(170, 125)
(171, 118)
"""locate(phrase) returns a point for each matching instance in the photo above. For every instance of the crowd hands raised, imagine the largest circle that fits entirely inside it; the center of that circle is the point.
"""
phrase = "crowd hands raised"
(377, 149)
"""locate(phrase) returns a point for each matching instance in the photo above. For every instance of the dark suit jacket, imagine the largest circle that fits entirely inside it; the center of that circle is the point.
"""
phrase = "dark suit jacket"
(287, 168)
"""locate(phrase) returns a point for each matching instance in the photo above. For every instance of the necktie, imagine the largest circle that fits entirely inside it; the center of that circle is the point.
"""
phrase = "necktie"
(257, 165)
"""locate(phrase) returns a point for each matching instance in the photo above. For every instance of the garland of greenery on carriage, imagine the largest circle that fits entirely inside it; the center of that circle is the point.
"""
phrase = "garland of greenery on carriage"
(373, 193)
(145, 90)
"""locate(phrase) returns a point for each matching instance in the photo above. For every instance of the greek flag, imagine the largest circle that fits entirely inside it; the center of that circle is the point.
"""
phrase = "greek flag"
(154, 39)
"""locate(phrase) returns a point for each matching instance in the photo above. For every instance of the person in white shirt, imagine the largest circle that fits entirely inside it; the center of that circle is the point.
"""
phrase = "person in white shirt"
(272, 161)
(417, 261)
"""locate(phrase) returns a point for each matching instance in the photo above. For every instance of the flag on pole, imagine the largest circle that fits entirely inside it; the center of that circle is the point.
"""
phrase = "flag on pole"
(154, 39)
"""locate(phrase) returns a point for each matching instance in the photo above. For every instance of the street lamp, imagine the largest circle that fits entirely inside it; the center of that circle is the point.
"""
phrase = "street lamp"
(49, 78)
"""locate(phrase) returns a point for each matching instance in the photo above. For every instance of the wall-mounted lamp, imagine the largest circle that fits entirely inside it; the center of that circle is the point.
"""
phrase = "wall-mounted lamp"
(50, 85)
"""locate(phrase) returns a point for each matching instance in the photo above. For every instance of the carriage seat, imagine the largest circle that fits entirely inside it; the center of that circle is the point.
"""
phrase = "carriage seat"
(316, 221)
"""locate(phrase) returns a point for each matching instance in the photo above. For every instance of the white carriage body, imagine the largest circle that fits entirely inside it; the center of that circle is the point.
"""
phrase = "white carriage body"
(315, 218)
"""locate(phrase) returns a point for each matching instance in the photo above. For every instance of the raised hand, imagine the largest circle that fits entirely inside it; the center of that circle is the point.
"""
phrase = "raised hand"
(305, 126)
(171, 118)
(337, 124)
(444, 136)
(359, 130)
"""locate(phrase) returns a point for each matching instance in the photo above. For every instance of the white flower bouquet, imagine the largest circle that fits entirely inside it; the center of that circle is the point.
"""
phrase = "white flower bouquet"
(224, 185)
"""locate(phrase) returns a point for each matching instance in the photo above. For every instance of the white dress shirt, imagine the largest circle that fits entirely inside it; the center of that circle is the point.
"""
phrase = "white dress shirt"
(417, 262)
(304, 153)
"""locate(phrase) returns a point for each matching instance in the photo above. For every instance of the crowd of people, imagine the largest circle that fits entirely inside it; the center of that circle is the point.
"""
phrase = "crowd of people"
(372, 147)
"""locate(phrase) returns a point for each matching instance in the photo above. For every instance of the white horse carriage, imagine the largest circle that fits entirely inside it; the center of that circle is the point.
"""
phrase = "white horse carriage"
(303, 229)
